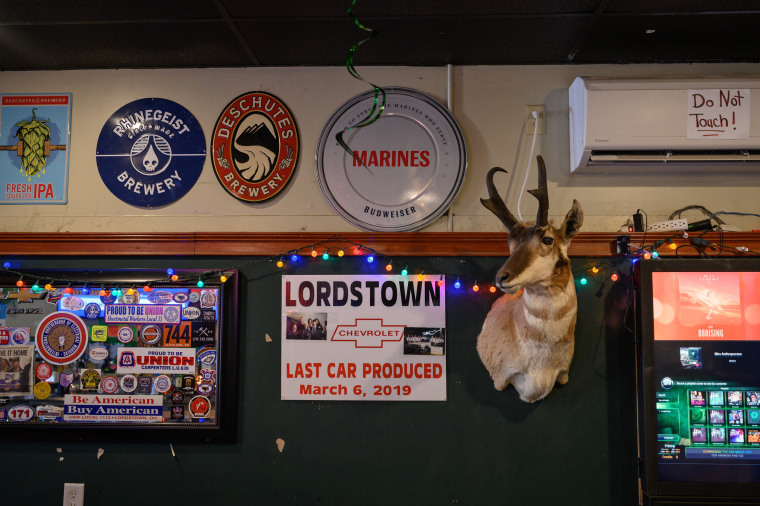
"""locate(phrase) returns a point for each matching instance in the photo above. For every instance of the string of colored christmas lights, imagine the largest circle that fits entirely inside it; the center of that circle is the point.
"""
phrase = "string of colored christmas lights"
(340, 248)
(333, 247)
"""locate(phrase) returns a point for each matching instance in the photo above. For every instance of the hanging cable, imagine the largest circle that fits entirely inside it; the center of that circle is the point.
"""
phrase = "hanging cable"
(527, 169)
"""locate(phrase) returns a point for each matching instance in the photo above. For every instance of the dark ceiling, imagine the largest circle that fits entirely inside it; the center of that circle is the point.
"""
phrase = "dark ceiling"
(100, 34)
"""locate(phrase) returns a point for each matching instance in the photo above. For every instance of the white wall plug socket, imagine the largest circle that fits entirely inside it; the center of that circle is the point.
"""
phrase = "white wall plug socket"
(73, 494)
(530, 121)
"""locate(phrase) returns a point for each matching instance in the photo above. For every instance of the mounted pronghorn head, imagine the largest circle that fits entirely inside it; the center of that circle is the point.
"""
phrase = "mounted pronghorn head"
(538, 251)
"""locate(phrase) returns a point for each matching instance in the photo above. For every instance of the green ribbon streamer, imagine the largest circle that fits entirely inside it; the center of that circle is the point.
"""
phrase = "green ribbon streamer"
(379, 102)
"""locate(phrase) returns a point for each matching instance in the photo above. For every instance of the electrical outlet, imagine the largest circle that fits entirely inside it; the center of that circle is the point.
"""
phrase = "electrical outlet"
(664, 226)
(530, 122)
(73, 494)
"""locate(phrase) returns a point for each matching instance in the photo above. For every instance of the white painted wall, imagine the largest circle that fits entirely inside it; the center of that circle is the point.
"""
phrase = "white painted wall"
(488, 102)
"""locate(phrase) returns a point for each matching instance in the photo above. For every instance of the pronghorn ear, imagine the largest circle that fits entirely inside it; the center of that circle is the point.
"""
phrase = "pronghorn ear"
(573, 220)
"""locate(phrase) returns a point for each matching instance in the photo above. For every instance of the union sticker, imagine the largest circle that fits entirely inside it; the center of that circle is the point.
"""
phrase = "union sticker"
(162, 383)
(61, 338)
(42, 390)
(90, 379)
(125, 334)
(92, 311)
(43, 371)
(19, 335)
(199, 406)
(109, 384)
(99, 333)
(128, 383)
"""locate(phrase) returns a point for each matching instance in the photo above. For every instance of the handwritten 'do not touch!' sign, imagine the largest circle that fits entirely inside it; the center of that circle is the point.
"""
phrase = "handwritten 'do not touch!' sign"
(718, 114)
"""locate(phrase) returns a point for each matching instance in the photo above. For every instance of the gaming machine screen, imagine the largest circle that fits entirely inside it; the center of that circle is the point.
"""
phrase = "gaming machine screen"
(706, 370)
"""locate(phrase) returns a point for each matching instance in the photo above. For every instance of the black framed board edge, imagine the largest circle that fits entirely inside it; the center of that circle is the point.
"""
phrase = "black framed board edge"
(225, 431)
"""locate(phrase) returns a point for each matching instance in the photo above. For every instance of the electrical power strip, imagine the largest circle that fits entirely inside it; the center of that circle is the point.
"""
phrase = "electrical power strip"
(663, 226)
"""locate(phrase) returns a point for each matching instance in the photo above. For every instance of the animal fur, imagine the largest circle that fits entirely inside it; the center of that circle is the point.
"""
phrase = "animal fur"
(527, 339)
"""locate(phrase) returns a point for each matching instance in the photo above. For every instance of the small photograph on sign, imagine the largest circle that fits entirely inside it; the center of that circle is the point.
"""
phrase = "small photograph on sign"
(307, 326)
(16, 370)
(424, 341)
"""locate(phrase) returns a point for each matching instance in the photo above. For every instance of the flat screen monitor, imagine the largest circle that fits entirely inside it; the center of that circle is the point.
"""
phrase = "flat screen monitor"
(698, 332)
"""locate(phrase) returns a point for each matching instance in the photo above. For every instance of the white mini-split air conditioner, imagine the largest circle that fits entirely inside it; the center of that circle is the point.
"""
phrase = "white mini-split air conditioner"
(643, 124)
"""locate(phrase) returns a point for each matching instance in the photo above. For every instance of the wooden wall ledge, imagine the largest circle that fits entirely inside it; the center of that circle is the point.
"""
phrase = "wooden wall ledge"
(593, 244)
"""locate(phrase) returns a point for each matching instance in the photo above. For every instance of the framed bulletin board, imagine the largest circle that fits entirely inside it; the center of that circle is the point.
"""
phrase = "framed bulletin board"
(126, 354)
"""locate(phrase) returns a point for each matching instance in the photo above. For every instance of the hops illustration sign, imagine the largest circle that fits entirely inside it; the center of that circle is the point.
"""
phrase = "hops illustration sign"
(255, 147)
(34, 137)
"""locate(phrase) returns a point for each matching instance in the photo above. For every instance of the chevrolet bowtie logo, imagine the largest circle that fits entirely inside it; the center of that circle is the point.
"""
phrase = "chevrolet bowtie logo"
(369, 333)
(24, 295)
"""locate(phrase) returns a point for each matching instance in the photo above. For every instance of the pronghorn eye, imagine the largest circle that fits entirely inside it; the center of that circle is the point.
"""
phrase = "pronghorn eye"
(548, 240)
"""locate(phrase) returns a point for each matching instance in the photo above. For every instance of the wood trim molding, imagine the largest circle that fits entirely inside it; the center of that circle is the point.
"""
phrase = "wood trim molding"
(594, 244)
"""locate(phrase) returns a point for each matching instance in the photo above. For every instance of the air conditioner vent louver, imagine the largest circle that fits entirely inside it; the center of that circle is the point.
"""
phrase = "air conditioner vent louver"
(674, 157)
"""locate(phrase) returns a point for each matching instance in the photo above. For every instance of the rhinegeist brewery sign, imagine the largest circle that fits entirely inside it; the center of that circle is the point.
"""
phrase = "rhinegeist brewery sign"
(255, 147)
(151, 152)
(403, 171)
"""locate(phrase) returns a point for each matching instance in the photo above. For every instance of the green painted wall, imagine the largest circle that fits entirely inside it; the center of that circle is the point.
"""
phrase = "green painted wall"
(481, 447)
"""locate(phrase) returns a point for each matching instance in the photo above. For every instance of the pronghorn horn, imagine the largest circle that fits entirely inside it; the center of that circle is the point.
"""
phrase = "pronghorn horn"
(542, 194)
(495, 203)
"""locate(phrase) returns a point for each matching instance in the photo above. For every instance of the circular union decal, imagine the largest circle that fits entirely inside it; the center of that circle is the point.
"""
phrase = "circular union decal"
(125, 335)
(109, 384)
(128, 383)
(171, 314)
(151, 334)
(92, 311)
(61, 338)
(150, 152)
(130, 298)
(255, 147)
(43, 371)
(162, 383)
(407, 167)
(42, 390)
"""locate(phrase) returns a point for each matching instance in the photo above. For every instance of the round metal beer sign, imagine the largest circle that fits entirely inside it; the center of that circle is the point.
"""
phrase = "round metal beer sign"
(255, 147)
(405, 169)
(150, 152)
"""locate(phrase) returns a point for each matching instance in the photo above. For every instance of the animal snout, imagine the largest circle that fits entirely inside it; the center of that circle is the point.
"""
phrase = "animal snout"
(504, 278)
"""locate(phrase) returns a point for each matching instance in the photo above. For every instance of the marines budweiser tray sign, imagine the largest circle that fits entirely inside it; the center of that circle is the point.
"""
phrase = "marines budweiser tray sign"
(404, 170)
